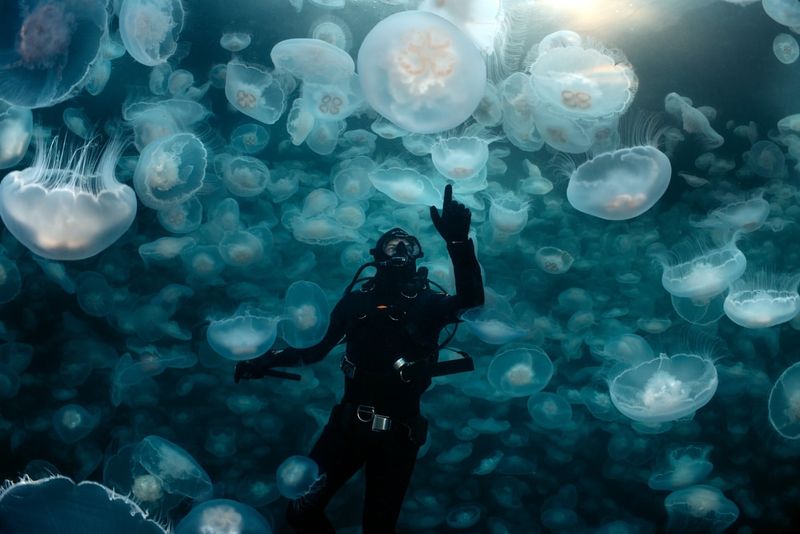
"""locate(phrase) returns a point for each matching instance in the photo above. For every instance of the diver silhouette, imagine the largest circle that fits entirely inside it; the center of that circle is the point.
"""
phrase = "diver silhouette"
(391, 326)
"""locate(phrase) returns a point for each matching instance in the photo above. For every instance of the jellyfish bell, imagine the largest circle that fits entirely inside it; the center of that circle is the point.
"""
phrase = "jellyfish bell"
(421, 72)
(312, 60)
(255, 92)
(16, 129)
(481, 20)
(784, 403)
(68, 207)
(762, 301)
(150, 29)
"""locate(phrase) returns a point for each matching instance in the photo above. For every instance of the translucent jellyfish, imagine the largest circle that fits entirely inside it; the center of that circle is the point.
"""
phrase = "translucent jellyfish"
(235, 41)
(744, 216)
(492, 326)
(481, 20)
(517, 372)
(250, 138)
(180, 82)
(305, 315)
(705, 275)
(784, 403)
(460, 158)
(48, 49)
(223, 516)
(421, 72)
(150, 29)
(766, 159)
(254, 91)
(694, 121)
(245, 176)
(73, 422)
(152, 120)
(553, 260)
(490, 109)
(299, 122)
(170, 171)
(785, 48)
(549, 410)
(786, 12)
(38, 505)
(68, 205)
(178, 472)
(763, 301)
(406, 186)
(684, 466)
(182, 218)
(204, 264)
(16, 128)
(10, 279)
(95, 296)
(324, 136)
(333, 101)
(240, 248)
(700, 508)
(77, 122)
(664, 389)
(332, 30)
(620, 185)
(330, 4)
(312, 60)
(296, 475)
(243, 336)
(561, 132)
(355, 143)
(465, 515)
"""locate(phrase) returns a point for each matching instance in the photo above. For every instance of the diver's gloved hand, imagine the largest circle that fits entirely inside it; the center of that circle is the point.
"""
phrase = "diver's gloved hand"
(453, 223)
(255, 368)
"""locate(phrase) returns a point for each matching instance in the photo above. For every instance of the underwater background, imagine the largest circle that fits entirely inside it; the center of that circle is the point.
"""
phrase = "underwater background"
(179, 193)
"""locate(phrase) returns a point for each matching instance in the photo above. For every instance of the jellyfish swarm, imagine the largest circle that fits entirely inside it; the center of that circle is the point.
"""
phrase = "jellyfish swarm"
(305, 315)
(520, 371)
(48, 48)
(706, 275)
(16, 127)
(243, 336)
(784, 403)
(421, 72)
(699, 508)
(68, 207)
(762, 301)
(223, 516)
(150, 29)
(254, 91)
(620, 185)
(664, 389)
(170, 171)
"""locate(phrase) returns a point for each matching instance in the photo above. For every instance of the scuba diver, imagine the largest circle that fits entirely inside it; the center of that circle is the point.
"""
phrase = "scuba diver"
(391, 325)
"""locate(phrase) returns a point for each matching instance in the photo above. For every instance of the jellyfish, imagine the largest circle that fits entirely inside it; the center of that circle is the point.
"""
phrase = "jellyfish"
(766, 159)
(489, 112)
(235, 41)
(245, 176)
(243, 336)
(299, 122)
(743, 216)
(182, 218)
(785, 48)
(10, 278)
(492, 326)
(549, 410)
(694, 121)
(152, 120)
(784, 403)
(356, 143)
(77, 122)
(465, 515)
(553, 260)
(177, 471)
(73, 422)
(705, 275)
(95, 296)
(68, 206)
(16, 128)
(54, 46)
(421, 72)
(664, 389)
(223, 516)
(305, 315)
(481, 20)
(150, 29)
(684, 466)
(763, 301)
(700, 508)
(204, 264)
(296, 476)
(332, 30)
(460, 158)
(324, 136)
(406, 186)
(518, 372)
(250, 138)
(180, 82)
(240, 248)
(170, 171)
(786, 12)
(254, 91)
(312, 60)
(165, 248)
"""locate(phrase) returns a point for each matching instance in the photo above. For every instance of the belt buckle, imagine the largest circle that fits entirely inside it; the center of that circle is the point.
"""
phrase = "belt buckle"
(368, 410)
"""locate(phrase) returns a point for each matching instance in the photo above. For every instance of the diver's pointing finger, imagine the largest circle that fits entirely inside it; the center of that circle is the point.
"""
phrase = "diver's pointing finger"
(448, 194)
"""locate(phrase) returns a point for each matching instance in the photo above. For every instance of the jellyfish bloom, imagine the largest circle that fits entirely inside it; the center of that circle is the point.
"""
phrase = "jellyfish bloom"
(706, 275)
(296, 475)
(332, 30)
(68, 207)
(50, 49)
(245, 176)
(784, 403)
(250, 138)
(664, 389)
(766, 159)
(763, 301)
(553, 260)
(305, 315)
(243, 336)
(73, 422)
(684, 466)
(16, 128)
(406, 186)
(150, 29)
(517, 372)
(175, 468)
(694, 121)
(421, 72)
(254, 91)
(223, 516)
(549, 410)
(235, 41)
(170, 170)
(460, 158)
(700, 508)
(312, 60)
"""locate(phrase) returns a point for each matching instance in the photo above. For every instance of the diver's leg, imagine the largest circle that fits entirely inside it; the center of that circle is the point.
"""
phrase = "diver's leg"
(339, 453)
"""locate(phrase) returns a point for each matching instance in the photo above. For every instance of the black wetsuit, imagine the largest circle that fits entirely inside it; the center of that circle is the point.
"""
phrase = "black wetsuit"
(381, 322)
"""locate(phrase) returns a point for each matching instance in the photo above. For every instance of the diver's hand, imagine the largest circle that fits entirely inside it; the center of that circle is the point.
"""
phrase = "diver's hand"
(453, 223)
(250, 369)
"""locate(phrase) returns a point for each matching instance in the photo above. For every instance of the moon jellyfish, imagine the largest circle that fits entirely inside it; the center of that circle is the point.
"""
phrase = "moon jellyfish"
(549, 410)
(182, 218)
(784, 403)
(68, 205)
(235, 41)
(73, 422)
(664, 389)
(243, 336)
(766, 159)
(296, 475)
(683, 467)
(763, 301)
(254, 91)
(10, 278)
(332, 30)
(152, 120)
(175, 468)
(332, 101)
(421, 72)
(521, 371)
(406, 186)
(785, 48)
(223, 516)
(490, 109)
(305, 315)
(705, 275)
(553, 260)
(245, 176)
(16, 128)
(48, 49)
(745, 216)
(786, 12)
(170, 171)
(150, 29)
(460, 158)
(620, 185)
(508, 213)
(492, 326)
(240, 248)
(312, 60)
(700, 508)
(694, 121)
(250, 138)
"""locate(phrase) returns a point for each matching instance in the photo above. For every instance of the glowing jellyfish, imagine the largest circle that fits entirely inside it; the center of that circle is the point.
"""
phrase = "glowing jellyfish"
(763, 301)
(421, 72)
(175, 468)
(254, 91)
(700, 508)
(694, 121)
(784, 403)
(296, 475)
(150, 29)
(243, 336)
(332, 30)
(312, 60)
(460, 158)
(16, 128)
(235, 41)
(786, 12)
(553, 260)
(245, 176)
(406, 186)
(549, 410)
(684, 466)
(305, 315)
(620, 185)
(706, 275)
(68, 206)
(250, 138)
(664, 389)
(517, 372)
(73, 422)
(766, 159)
(49, 49)
(223, 516)
(170, 171)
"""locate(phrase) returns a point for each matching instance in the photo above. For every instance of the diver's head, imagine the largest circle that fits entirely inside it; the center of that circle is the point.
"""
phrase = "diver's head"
(397, 249)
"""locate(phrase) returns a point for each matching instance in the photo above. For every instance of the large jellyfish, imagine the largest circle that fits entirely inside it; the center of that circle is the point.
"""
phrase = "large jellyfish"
(296, 476)
(47, 49)
(421, 72)
(706, 275)
(254, 91)
(150, 29)
(763, 301)
(68, 207)
(305, 314)
(170, 171)
(784, 403)
(665, 388)
(406, 186)
(745, 216)
(16, 128)
(700, 508)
